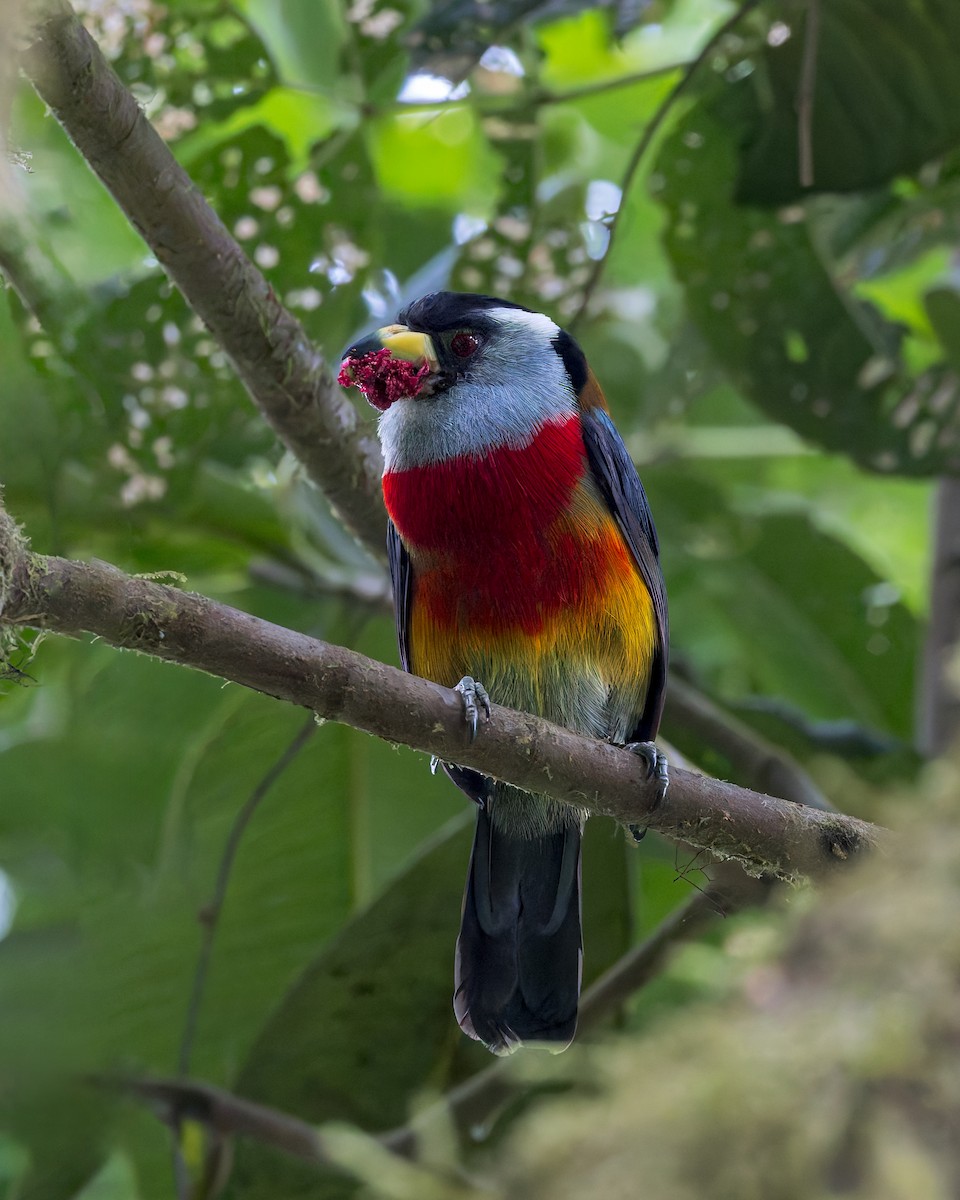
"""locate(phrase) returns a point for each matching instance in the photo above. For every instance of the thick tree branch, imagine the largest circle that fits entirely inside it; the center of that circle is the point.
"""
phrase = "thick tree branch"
(939, 701)
(285, 375)
(766, 835)
(756, 762)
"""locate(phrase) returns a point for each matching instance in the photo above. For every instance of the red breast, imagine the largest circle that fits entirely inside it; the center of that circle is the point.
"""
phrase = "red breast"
(507, 541)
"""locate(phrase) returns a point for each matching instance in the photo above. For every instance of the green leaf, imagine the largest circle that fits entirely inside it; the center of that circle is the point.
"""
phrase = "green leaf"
(305, 37)
(886, 99)
(370, 1024)
(370, 1019)
(14, 1160)
(765, 301)
(92, 237)
(439, 158)
(768, 603)
(116, 1180)
(578, 48)
(900, 293)
(301, 119)
(943, 310)
(114, 821)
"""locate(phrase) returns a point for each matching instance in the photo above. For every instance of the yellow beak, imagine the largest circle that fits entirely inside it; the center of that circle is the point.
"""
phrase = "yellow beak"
(403, 343)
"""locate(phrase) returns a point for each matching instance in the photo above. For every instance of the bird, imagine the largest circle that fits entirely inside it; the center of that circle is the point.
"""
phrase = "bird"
(525, 567)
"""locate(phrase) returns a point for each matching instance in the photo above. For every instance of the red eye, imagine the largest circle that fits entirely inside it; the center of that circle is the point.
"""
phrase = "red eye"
(464, 344)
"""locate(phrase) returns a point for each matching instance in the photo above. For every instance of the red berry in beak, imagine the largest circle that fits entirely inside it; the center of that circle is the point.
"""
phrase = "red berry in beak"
(382, 378)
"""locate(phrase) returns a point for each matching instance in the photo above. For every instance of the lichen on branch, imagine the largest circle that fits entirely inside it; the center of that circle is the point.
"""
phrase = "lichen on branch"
(767, 836)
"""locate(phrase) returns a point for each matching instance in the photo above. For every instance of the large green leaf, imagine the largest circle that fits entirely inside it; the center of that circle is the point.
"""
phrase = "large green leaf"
(369, 1023)
(768, 603)
(779, 311)
(305, 37)
(806, 352)
(372, 1015)
(116, 804)
(119, 778)
(886, 97)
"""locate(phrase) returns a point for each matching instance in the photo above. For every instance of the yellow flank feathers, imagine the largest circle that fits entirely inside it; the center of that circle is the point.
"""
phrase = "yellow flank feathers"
(586, 662)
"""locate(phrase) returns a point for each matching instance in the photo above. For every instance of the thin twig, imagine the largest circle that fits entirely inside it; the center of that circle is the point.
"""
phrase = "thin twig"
(225, 1116)
(523, 100)
(585, 91)
(756, 762)
(210, 914)
(368, 589)
(806, 93)
(729, 890)
(646, 139)
(177, 1100)
(842, 737)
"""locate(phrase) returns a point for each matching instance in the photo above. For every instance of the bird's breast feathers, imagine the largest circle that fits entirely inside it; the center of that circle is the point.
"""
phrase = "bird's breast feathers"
(522, 577)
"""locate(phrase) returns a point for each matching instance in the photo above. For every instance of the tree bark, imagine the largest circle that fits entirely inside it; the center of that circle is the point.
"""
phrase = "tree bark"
(768, 836)
(285, 375)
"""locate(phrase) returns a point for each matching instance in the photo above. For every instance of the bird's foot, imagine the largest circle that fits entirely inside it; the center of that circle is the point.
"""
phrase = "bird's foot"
(474, 698)
(657, 767)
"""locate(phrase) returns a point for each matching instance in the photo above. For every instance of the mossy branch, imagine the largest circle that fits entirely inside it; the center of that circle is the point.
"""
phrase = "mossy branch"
(768, 836)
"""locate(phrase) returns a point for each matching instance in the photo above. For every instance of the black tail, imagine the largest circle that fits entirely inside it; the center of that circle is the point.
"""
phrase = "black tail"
(519, 951)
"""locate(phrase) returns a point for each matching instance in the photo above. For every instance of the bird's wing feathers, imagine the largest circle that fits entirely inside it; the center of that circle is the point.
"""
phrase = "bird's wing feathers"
(401, 576)
(620, 486)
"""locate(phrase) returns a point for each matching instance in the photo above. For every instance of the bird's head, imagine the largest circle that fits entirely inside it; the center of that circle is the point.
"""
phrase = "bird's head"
(460, 373)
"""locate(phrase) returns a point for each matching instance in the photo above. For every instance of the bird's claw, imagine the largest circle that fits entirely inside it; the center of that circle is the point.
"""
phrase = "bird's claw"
(657, 767)
(474, 698)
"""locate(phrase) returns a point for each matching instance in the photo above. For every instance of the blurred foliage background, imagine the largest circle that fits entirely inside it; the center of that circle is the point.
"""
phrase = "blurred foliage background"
(781, 356)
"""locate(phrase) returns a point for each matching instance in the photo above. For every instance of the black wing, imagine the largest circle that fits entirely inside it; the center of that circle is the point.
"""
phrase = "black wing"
(620, 486)
(475, 785)
(401, 576)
